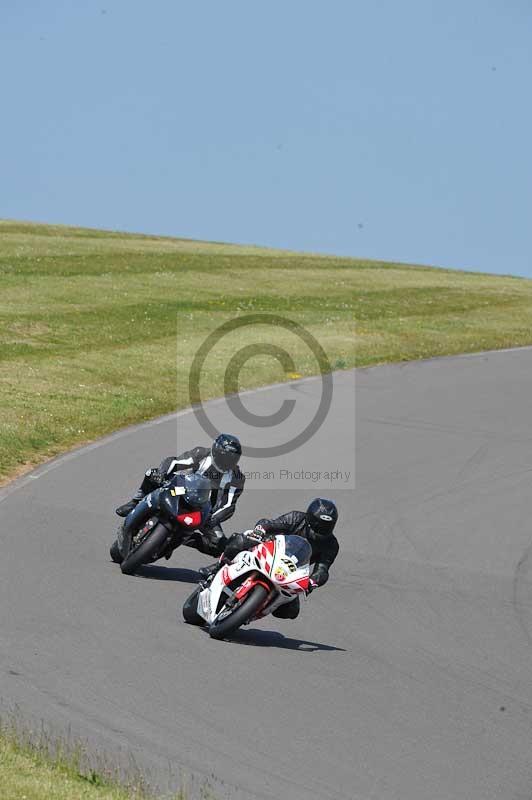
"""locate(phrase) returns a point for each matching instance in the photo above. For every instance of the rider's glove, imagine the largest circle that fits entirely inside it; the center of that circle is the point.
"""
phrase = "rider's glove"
(151, 481)
(155, 476)
(258, 534)
(320, 574)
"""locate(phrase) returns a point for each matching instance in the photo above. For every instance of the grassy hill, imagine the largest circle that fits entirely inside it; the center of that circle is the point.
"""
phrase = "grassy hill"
(98, 329)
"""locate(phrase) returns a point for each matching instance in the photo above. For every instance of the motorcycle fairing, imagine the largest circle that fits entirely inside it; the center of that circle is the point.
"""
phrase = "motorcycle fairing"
(162, 504)
(267, 565)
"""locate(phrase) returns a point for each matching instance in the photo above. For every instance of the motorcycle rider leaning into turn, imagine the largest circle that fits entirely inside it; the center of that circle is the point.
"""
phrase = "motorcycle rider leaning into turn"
(219, 464)
(316, 524)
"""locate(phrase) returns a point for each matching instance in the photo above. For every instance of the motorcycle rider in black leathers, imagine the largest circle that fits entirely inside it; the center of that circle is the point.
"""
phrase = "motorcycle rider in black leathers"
(219, 464)
(316, 524)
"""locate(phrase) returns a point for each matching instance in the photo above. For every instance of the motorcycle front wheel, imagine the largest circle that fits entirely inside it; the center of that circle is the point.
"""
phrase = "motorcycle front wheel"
(115, 553)
(190, 613)
(242, 613)
(147, 551)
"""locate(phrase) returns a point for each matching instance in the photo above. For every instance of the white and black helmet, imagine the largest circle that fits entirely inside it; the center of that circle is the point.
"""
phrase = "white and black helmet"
(226, 451)
(322, 516)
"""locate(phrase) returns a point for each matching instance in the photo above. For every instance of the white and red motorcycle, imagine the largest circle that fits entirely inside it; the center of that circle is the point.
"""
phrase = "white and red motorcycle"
(253, 585)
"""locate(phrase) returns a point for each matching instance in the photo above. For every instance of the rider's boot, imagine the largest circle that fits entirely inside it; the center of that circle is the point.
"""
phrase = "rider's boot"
(152, 479)
(288, 610)
(211, 569)
(128, 507)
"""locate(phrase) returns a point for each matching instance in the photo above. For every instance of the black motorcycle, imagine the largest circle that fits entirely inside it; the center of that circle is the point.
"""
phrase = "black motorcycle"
(163, 520)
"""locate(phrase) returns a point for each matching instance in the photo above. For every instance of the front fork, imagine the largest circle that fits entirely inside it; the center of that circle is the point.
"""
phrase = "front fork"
(251, 581)
(145, 513)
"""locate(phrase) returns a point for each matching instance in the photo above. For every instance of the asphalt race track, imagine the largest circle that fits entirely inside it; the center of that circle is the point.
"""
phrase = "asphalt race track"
(408, 677)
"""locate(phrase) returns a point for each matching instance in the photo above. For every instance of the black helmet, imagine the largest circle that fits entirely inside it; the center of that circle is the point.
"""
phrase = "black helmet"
(197, 490)
(226, 451)
(322, 516)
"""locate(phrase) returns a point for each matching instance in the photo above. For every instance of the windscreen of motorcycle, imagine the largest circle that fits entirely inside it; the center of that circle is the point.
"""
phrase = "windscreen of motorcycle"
(298, 550)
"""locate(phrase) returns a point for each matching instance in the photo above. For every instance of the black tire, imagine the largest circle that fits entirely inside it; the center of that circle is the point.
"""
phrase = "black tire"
(115, 553)
(190, 605)
(147, 551)
(241, 614)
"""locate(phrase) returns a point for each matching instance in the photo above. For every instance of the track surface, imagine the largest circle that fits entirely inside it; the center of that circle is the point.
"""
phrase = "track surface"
(407, 678)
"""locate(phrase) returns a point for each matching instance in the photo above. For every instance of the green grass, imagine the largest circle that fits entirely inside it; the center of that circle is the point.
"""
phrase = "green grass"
(98, 329)
(35, 767)
(25, 775)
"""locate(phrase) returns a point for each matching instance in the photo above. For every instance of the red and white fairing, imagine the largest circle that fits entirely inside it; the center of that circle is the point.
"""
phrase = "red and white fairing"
(282, 565)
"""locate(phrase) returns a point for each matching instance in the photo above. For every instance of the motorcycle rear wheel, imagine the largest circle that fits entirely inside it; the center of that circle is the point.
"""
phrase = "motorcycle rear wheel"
(147, 551)
(242, 613)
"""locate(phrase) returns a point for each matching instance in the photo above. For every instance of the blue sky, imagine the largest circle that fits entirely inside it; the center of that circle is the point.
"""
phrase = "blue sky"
(382, 129)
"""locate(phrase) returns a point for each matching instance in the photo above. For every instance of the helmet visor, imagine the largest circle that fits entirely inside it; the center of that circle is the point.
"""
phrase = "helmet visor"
(224, 461)
(321, 527)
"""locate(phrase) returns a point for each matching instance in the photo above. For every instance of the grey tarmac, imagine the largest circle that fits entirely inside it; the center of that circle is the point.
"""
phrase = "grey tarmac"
(407, 677)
